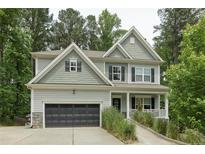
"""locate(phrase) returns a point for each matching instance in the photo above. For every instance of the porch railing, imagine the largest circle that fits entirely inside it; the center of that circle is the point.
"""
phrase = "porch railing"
(159, 113)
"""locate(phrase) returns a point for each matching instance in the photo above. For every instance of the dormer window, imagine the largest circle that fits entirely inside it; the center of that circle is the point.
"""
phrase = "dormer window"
(132, 40)
(72, 65)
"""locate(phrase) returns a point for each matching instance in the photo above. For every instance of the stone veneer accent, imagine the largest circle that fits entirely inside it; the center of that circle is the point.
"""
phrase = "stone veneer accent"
(37, 119)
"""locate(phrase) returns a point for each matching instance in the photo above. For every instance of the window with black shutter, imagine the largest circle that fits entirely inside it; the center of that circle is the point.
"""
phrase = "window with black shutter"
(152, 74)
(122, 73)
(110, 72)
(133, 74)
(79, 67)
(133, 103)
(67, 66)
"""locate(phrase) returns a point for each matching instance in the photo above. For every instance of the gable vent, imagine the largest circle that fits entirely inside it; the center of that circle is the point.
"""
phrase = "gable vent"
(132, 40)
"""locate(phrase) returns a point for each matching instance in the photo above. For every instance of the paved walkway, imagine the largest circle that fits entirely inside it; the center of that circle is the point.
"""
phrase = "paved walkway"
(146, 137)
(60, 136)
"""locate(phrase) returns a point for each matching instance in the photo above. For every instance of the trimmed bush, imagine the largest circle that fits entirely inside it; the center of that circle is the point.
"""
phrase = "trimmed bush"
(191, 136)
(172, 130)
(160, 126)
(144, 118)
(114, 122)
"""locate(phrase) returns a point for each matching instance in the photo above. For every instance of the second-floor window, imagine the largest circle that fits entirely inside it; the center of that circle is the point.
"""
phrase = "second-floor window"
(117, 73)
(142, 74)
(73, 65)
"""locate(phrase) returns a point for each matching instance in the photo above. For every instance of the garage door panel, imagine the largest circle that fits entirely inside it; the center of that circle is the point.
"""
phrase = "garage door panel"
(72, 115)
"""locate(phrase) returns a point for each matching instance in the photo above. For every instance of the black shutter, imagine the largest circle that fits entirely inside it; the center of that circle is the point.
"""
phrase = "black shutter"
(133, 102)
(133, 74)
(152, 103)
(152, 74)
(67, 65)
(79, 67)
(110, 73)
(122, 73)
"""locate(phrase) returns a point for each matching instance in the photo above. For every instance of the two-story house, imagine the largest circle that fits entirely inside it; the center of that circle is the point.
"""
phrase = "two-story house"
(73, 86)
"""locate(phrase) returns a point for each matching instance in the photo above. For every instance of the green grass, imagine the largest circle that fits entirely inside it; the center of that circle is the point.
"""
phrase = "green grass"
(114, 122)
(160, 125)
(172, 130)
(144, 118)
(191, 136)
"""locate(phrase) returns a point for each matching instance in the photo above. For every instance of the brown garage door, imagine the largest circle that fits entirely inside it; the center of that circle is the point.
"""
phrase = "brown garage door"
(72, 115)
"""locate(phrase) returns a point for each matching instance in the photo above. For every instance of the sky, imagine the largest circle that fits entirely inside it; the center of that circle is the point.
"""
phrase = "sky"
(142, 19)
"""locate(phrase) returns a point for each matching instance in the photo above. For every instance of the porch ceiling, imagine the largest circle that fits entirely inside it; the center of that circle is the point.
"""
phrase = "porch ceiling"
(142, 87)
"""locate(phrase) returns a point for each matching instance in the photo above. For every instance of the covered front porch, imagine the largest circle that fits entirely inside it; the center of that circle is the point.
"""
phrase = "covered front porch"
(129, 102)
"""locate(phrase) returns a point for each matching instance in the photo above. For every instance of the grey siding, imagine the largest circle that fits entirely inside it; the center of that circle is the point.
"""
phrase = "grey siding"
(100, 66)
(58, 74)
(67, 96)
(41, 64)
(136, 50)
(117, 54)
(111, 64)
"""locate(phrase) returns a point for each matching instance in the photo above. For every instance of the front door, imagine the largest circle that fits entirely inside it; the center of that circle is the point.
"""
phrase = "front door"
(116, 102)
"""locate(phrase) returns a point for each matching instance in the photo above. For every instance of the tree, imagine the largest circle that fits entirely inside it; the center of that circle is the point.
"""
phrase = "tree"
(187, 81)
(8, 18)
(109, 25)
(39, 22)
(70, 28)
(173, 22)
(15, 65)
(92, 33)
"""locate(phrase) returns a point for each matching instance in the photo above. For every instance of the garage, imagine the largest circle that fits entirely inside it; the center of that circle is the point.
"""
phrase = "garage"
(72, 115)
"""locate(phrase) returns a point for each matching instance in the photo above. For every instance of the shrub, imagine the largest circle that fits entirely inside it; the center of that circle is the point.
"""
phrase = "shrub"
(144, 118)
(114, 122)
(172, 130)
(160, 125)
(191, 136)
(6, 121)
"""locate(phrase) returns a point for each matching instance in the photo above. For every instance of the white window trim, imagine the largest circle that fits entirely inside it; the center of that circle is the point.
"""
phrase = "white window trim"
(150, 106)
(136, 67)
(149, 74)
(116, 73)
(138, 74)
(143, 97)
(76, 67)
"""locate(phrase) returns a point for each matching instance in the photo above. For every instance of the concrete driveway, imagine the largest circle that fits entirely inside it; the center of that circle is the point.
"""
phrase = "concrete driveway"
(146, 137)
(59, 136)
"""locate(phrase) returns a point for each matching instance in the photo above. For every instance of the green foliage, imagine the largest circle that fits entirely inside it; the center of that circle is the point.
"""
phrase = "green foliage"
(191, 136)
(172, 130)
(69, 28)
(14, 65)
(187, 82)
(38, 21)
(173, 22)
(114, 122)
(92, 33)
(144, 118)
(109, 25)
(160, 125)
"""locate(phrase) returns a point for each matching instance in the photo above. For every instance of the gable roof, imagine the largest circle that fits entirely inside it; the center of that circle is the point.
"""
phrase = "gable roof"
(121, 49)
(73, 46)
(141, 39)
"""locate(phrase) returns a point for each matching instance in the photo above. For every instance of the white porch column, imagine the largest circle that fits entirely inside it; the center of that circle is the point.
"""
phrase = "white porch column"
(128, 105)
(158, 105)
(166, 105)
